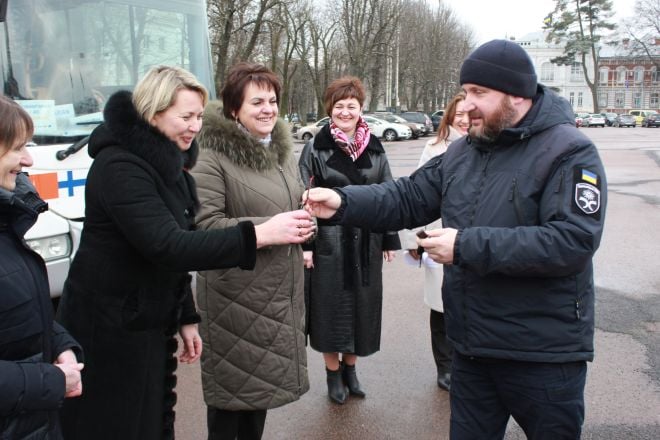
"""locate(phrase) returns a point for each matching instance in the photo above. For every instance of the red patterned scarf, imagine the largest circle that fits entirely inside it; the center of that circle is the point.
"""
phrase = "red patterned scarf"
(360, 140)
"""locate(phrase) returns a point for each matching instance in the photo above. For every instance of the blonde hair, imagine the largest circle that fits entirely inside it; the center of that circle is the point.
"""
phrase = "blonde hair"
(157, 90)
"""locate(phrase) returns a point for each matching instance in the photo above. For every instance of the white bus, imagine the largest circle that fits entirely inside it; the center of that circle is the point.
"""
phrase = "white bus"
(60, 60)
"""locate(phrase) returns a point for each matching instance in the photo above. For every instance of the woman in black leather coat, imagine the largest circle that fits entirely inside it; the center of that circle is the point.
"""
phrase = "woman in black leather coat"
(345, 283)
(38, 359)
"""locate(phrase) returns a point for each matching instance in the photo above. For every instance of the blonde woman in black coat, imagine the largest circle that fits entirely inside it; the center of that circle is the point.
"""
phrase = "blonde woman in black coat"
(38, 359)
(128, 291)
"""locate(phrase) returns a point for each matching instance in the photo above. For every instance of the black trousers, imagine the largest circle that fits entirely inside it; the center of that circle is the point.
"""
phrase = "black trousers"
(545, 399)
(442, 350)
(235, 425)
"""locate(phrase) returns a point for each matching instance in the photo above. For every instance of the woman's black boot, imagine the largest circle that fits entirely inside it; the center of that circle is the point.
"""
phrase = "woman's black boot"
(350, 378)
(336, 389)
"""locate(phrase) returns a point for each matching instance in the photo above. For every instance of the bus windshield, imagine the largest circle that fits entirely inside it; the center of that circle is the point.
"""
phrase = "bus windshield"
(62, 59)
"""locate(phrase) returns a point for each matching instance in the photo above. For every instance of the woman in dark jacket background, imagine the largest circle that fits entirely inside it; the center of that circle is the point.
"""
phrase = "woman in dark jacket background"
(128, 290)
(345, 280)
(38, 359)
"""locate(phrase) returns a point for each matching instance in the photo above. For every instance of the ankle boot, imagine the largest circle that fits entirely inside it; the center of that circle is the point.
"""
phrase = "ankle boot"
(336, 389)
(350, 378)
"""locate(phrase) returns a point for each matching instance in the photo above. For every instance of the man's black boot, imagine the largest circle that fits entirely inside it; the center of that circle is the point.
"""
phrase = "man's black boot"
(350, 378)
(336, 389)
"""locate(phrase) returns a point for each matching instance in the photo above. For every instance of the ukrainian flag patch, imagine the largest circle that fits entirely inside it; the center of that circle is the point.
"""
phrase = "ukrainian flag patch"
(590, 177)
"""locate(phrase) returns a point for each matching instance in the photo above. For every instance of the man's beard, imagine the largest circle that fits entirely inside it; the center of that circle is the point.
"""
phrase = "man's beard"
(491, 127)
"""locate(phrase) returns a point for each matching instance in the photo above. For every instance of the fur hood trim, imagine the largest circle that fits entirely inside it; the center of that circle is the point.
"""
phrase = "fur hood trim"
(123, 127)
(223, 136)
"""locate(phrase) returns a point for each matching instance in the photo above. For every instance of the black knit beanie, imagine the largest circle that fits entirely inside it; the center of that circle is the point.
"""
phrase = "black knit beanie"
(501, 65)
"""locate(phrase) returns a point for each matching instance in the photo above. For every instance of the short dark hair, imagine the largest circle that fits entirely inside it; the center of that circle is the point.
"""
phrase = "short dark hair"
(15, 124)
(343, 88)
(238, 78)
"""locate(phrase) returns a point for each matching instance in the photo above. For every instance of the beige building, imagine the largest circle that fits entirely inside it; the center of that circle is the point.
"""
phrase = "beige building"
(625, 81)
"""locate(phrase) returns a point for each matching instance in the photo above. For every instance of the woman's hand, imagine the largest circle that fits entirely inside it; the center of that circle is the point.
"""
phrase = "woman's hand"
(389, 255)
(321, 202)
(192, 344)
(292, 227)
(67, 362)
(308, 259)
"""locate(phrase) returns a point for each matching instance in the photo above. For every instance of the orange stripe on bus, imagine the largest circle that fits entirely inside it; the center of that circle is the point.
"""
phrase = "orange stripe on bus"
(46, 185)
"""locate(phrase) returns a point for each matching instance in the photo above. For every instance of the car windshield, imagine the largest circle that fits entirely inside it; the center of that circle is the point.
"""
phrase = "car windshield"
(61, 60)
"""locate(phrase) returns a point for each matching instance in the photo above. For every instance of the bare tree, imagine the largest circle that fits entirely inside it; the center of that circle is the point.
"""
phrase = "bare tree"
(236, 26)
(644, 30)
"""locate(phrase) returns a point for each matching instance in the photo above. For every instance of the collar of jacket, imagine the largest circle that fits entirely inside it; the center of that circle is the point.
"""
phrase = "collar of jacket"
(20, 208)
(223, 136)
(548, 110)
(124, 128)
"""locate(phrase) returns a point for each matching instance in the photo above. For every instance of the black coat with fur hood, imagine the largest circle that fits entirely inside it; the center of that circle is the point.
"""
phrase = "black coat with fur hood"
(128, 289)
(252, 322)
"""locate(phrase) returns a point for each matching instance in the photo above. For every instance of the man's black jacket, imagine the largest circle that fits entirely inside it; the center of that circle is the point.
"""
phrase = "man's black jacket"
(529, 209)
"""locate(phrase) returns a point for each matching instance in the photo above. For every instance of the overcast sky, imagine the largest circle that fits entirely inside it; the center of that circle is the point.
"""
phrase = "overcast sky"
(505, 18)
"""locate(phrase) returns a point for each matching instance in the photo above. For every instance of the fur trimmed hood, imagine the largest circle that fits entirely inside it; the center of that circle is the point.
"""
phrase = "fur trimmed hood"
(124, 128)
(222, 135)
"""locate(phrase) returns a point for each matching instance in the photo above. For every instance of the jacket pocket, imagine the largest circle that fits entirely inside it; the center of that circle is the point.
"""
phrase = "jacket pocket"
(146, 309)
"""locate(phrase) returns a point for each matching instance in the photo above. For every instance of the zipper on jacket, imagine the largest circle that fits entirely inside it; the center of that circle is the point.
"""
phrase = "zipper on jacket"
(449, 181)
(482, 182)
(558, 190)
(577, 309)
(288, 190)
(513, 197)
(294, 326)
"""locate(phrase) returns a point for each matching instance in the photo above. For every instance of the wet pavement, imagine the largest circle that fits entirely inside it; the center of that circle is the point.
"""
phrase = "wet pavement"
(403, 401)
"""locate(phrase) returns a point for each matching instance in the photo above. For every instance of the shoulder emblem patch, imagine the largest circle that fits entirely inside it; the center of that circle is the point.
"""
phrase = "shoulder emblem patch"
(587, 198)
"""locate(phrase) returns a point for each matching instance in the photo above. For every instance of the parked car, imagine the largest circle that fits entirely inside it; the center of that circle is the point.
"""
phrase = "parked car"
(578, 120)
(640, 114)
(415, 128)
(594, 120)
(420, 118)
(309, 131)
(651, 120)
(624, 121)
(436, 117)
(609, 118)
(387, 130)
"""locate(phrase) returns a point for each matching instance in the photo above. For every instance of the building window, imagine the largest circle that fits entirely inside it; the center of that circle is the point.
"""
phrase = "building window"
(619, 99)
(655, 77)
(603, 74)
(579, 99)
(620, 75)
(654, 100)
(571, 99)
(602, 100)
(639, 75)
(576, 72)
(637, 100)
(547, 72)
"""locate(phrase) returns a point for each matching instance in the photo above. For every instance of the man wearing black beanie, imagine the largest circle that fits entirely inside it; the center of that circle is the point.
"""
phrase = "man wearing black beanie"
(522, 199)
